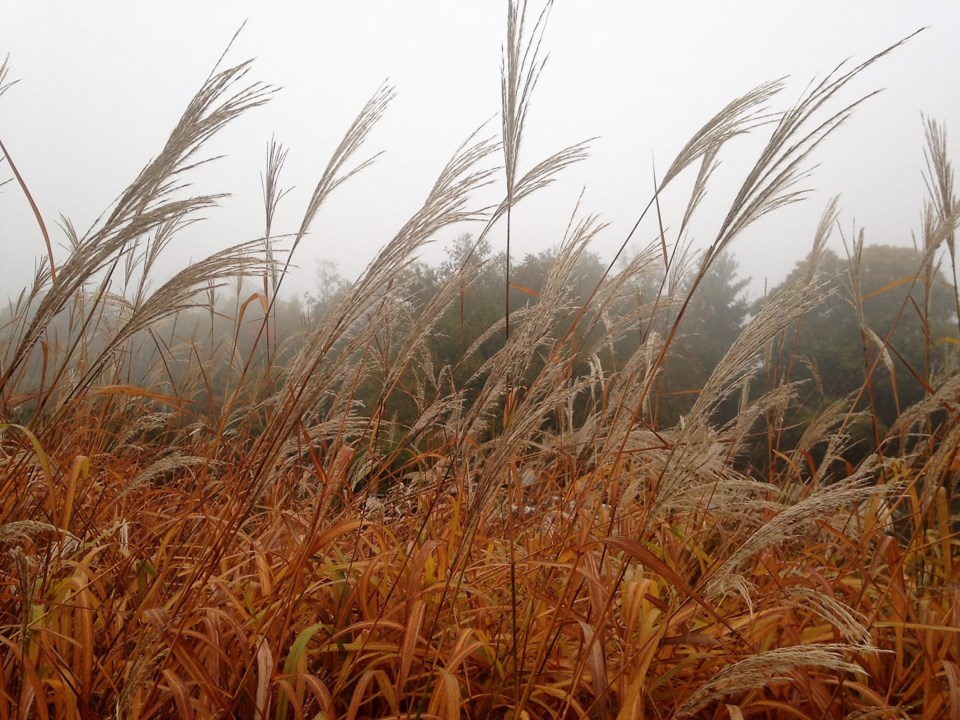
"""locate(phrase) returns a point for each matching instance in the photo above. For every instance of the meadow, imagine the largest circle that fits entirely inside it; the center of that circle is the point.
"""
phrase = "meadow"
(208, 509)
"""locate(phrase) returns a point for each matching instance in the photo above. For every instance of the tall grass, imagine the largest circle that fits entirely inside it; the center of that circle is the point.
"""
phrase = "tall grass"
(198, 522)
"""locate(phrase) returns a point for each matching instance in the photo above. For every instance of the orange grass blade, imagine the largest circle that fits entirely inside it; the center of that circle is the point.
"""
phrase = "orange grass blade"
(180, 692)
(79, 468)
(264, 675)
(445, 701)
(359, 694)
(524, 289)
(952, 671)
(892, 285)
(84, 604)
(597, 666)
(32, 686)
(136, 391)
(410, 637)
(41, 458)
(322, 694)
(645, 556)
(287, 697)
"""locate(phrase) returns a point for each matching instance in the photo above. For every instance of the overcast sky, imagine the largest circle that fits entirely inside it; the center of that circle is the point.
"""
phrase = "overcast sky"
(103, 83)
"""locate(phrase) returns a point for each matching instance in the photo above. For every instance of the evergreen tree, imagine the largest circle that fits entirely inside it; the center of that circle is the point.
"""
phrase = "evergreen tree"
(714, 318)
(829, 348)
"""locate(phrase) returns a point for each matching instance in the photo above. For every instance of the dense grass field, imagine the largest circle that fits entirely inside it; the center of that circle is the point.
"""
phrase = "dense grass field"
(209, 509)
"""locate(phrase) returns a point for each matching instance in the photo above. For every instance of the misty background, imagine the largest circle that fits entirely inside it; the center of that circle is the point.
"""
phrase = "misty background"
(102, 84)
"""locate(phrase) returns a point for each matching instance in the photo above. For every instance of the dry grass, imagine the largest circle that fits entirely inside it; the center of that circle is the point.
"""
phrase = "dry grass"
(259, 554)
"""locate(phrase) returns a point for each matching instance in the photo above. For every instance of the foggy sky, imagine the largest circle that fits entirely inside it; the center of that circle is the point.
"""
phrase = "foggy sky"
(103, 83)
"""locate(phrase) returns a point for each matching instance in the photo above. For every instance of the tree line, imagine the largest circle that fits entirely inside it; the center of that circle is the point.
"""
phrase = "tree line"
(887, 328)
(884, 334)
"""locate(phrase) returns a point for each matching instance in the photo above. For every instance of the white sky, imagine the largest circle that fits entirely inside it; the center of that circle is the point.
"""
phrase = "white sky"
(103, 83)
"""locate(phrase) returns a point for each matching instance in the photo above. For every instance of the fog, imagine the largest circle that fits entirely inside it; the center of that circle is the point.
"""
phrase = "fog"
(102, 84)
